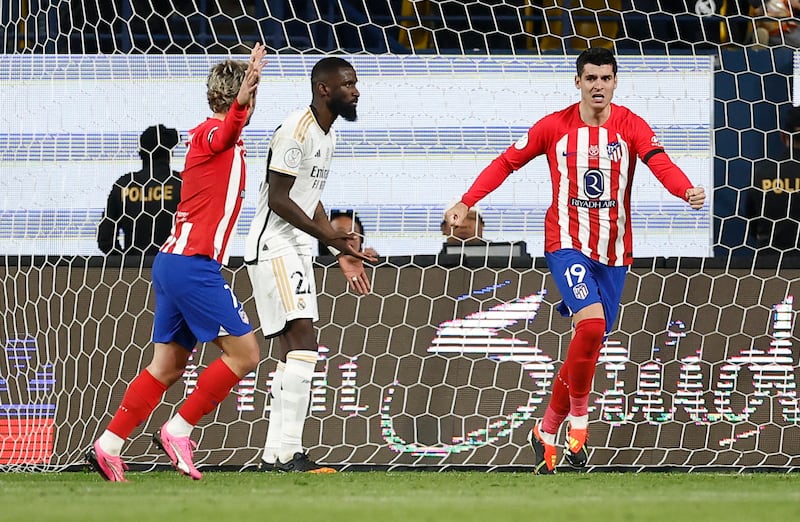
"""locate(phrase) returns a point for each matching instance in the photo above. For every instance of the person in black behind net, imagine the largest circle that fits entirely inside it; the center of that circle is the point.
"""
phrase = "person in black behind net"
(141, 204)
(773, 203)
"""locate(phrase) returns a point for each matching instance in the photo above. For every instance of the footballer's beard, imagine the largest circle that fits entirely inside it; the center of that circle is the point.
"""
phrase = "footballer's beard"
(345, 110)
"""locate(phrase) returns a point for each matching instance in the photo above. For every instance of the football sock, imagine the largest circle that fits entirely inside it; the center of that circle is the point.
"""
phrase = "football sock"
(178, 427)
(142, 396)
(295, 396)
(558, 408)
(213, 385)
(273, 442)
(578, 407)
(547, 438)
(579, 423)
(582, 355)
(111, 443)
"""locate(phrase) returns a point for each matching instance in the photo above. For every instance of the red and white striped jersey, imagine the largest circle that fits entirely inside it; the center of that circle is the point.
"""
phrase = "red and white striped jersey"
(213, 188)
(591, 169)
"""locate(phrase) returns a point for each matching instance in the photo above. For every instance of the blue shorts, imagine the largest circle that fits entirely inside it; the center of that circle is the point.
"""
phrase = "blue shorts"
(194, 302)
(583, 281)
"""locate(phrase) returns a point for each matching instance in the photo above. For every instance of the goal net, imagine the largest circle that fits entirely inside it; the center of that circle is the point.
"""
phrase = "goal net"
(449, 361)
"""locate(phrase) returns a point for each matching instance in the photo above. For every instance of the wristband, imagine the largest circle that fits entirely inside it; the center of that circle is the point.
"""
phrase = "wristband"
(334, 251)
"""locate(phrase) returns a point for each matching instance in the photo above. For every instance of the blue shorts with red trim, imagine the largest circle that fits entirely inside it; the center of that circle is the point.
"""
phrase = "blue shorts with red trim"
(194, 302)
(583, 281)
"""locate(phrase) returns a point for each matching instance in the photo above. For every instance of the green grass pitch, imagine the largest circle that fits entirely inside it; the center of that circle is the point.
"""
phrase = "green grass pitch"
(402, 496)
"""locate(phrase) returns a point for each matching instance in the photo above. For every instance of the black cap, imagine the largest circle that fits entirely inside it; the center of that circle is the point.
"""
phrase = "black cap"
(791, 120)
(158, 136)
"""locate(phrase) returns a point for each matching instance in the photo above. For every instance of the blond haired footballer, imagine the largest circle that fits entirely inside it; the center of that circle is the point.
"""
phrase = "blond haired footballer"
(193, 300)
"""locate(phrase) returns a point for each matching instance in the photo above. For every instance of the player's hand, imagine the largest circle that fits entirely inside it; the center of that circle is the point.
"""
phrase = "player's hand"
(353, 270)
(696, 196)
(455, 215)
(345, 242)
(252, 75)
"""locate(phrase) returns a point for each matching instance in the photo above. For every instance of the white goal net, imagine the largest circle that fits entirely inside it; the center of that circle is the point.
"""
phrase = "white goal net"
(449, 361)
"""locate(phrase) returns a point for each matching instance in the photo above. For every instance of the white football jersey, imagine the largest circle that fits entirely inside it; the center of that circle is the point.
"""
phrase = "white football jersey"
(298, 148)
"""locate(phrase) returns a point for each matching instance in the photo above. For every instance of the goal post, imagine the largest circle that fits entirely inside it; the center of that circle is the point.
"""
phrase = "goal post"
(449, 361)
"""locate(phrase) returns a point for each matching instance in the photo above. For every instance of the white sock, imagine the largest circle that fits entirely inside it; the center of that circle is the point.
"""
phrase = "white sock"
(111, 443)
(579, 423)
(178, 427)
(295, 396)
(273, 442)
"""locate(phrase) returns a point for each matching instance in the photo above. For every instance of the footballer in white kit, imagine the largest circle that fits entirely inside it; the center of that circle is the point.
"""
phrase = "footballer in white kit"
(289, 220)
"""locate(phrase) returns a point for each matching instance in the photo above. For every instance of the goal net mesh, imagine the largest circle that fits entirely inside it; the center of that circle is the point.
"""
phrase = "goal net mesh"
(449, 361)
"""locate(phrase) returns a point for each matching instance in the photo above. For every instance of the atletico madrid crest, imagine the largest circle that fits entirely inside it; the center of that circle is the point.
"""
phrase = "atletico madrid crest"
(581, 291)
(614, 151)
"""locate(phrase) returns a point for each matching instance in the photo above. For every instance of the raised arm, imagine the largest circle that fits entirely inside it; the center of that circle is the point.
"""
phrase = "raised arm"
(243, 105)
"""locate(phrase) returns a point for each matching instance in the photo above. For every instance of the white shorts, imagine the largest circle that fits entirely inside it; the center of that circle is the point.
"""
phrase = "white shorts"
(284, 289)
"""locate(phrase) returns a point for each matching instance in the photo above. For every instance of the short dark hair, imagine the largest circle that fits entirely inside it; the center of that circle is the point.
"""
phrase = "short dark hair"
(348, 212)
(335, 213)
(327, 66)
(595, 56)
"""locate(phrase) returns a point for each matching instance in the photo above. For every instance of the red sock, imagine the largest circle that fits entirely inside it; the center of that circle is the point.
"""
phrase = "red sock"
(579, 406)
(582, 355)
(558, 408)
(213, 385)
(140, 399)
